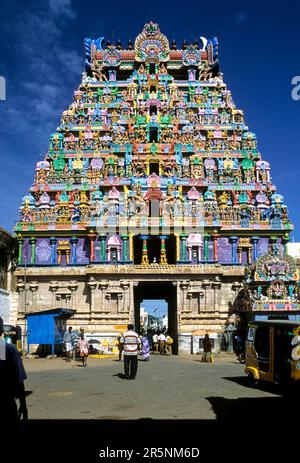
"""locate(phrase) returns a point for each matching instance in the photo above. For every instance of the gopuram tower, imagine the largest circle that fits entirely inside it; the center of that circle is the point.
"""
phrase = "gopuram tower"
(152, 188)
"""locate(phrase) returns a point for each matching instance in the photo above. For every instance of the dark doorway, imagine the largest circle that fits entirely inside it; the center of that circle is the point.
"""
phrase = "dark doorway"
(154, 245)
(153, 135)
(154, 168)
(137, 250)
(153, 109)
(165, 290)
(152, 68)
(171, 249)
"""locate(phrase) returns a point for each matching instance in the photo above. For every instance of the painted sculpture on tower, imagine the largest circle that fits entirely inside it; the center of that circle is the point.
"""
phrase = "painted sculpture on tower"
(271, 286)
(152, 163)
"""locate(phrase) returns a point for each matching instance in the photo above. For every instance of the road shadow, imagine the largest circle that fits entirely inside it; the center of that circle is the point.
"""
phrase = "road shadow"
(271, 388)
(120, 375)
(262, 411)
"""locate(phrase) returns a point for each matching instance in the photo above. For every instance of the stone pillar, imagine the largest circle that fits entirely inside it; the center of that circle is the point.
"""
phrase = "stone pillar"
(67, 299)
(68, 252)
(92, 284)
(73, 287)
(103, 286)
(108, 297)
(21, 291)
(103, 247)
(125, 287)
(249, 254)
(131, 247)
(145, 259)
(53, 242)
(131, 301)
(215, 240)
(53, 286)
(20, 255)
(33, 286)
(206, 286)
(234, 240)
(239, 254)
(216, 287)
(125, 247)
(163, 255)
(189, 297)
(73, 242)
(183, 237)
(32, 242)
(92, 238)
(254, 240)
(184, 287)
(59, 300)
(119, 297)
(236, 286)
(206, 238)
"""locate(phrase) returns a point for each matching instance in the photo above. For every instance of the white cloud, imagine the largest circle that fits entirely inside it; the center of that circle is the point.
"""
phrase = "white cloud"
(62, 7)
(51, 70)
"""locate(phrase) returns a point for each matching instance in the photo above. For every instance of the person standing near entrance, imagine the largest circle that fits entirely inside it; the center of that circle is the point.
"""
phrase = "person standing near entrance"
(155, 343)
(120, 346)
(162, 343)
(206, 357)
(131, 343)
(145, 348)
(169, 342)
(68, 341)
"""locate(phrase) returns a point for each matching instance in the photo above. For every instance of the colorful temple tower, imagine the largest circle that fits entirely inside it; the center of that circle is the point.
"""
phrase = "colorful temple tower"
(152, 187)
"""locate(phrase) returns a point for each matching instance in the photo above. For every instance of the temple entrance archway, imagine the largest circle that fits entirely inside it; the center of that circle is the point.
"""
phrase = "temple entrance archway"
(163, 290)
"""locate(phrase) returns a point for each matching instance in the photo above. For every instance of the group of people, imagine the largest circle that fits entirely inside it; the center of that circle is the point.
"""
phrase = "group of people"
(162, 343)
(12, 373)
(71, 342)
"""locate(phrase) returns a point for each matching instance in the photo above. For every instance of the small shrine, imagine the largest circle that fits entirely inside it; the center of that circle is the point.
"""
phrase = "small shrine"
(271, 287)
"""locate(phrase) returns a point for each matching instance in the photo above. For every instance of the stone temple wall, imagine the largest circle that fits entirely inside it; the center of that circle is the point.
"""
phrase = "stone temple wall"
(104, 301)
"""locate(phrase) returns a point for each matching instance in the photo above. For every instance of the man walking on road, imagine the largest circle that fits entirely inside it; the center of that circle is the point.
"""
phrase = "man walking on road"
(68, 341)
(131, 343)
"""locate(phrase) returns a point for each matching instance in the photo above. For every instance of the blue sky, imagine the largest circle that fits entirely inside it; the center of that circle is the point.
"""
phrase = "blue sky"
(41, 58)
(156, 307)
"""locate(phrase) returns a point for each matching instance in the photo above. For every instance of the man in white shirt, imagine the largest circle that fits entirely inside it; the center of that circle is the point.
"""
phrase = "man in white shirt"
(131, 343)
(162, 343)
(155, 343)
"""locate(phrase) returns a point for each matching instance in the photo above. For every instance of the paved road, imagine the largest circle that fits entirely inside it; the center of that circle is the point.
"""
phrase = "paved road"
(165, 388)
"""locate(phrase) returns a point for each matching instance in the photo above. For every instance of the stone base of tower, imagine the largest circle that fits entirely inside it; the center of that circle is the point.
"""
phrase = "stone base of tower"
(106, 298)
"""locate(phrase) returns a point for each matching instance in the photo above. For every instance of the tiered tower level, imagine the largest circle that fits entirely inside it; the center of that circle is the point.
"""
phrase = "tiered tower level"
(152, 170)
